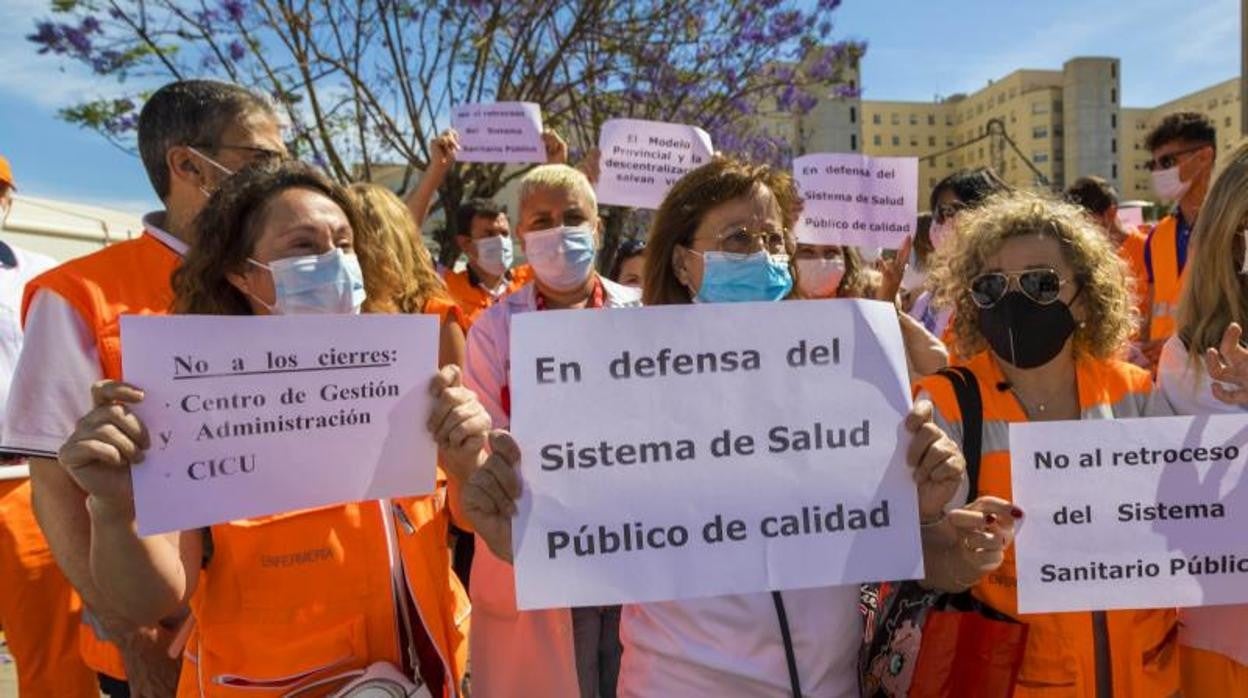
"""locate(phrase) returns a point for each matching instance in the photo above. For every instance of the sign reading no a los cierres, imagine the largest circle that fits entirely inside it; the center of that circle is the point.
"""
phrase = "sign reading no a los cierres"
(1131, 513)
(250, 416)
(641, 160)
(704, 450)
(856, 199)
(499, 132)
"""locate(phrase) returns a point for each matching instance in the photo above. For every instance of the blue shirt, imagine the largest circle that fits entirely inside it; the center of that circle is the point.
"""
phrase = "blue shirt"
(1182, 234)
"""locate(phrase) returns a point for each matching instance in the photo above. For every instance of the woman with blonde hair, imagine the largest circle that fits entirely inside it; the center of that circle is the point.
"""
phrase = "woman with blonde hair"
(399, 273)
(1041, 310)
(1204, 370)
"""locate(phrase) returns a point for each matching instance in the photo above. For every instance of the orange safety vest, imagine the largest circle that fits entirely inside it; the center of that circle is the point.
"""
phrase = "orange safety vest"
(1131, 251)
(128, 278)
(1061, 655)
(474, 300)
(1167, 279)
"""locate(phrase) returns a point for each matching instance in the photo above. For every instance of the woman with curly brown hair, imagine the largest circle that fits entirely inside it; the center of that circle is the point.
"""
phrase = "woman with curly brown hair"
(1042, 309)
(304, 601)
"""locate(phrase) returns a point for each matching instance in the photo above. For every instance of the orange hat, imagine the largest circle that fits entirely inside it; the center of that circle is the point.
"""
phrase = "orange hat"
(6, 173)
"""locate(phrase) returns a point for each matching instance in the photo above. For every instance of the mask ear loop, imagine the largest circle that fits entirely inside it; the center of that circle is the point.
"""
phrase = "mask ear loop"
(271, 308)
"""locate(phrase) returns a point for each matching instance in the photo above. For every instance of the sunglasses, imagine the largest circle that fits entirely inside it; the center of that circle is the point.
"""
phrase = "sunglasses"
(1165, 162)
(1040, 285)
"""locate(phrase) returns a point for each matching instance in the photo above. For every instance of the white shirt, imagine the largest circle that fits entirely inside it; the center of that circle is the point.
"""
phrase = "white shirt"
(51, 386)
(515, 653)
(732, 646)
(13, 279)
(1185, 387)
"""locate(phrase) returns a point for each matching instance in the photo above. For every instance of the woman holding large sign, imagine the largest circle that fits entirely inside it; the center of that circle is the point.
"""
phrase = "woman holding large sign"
(304, 600)
(1212, 314)
(721, 235)
(1042, 308)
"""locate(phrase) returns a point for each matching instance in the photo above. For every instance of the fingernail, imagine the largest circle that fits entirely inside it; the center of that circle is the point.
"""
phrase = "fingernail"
(1016, 513)
(990, 519)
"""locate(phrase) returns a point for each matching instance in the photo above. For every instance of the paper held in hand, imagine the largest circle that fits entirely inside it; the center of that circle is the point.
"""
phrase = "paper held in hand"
(856, 199)
(1131, 513)
(250, 416)
(508, 132)
(641, 160)
(688, 451)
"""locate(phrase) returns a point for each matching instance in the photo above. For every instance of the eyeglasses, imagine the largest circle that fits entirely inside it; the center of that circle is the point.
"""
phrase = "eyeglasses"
(1041, 285)
(742, 240)
(258, 154)
(1165, 162)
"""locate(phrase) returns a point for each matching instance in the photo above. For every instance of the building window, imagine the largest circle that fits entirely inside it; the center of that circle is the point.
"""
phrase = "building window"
(1039, 132)
(1113, 95)
(1114, 171)
(1057, 156)
(1113, 121)
(1039, 157)
(1228, 122)
(931, 182)
(931, 141)
(1213, 103)
(931, 162)
(853, 115)
(1113, 71)
(895, 118)
(949, 120)
(1039, 108)
(875, 119)
(1113, 145)
(949, 163)
(853, 142)
(914, 119)
(914, 141)
(948, 142)
(1057, 107)
(931, 119)
(1057, 131)
(981, 153)
(896, 140)
(875, 140)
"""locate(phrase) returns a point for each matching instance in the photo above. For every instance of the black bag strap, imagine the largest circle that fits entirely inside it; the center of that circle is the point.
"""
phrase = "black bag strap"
(971, 405)
(795, 682)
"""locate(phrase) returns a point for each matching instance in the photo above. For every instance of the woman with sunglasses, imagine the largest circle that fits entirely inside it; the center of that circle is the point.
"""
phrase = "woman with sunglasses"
(1204, 370)
(720, 237)
(1041, 309)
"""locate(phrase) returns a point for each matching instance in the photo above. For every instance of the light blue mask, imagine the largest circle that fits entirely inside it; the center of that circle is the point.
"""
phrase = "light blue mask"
(563, 257)
(734, 278)
(319, 284)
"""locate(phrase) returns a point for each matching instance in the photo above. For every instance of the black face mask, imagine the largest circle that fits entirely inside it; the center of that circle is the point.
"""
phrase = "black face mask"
(1025, 333)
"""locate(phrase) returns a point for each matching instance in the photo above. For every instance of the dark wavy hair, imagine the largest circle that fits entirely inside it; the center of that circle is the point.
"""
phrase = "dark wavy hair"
(227, 228)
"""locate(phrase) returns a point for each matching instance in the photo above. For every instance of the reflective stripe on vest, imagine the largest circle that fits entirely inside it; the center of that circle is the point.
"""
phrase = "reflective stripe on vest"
(1061, 651)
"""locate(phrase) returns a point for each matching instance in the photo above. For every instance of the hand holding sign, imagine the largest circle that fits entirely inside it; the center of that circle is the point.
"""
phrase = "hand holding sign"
(444, 150)
(105, 443)
(489, 497)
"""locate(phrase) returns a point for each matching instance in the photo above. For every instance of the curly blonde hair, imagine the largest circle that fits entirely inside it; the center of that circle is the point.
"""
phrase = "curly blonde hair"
(401, 274)
(1110, 315)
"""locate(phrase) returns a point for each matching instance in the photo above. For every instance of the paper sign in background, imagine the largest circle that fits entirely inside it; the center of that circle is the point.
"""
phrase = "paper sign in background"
(857, 199)
(1109, 528)
(852, 376)
(499, 132)
(642, 159)
(251, 416)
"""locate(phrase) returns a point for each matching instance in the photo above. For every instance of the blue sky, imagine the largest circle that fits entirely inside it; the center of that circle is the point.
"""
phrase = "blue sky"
(917, 49)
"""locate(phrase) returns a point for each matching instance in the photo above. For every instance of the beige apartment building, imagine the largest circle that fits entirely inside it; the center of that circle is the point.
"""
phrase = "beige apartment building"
(1035, 127)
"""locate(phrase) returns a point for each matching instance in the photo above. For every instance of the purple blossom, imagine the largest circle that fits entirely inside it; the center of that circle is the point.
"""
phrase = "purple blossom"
(90, 25)
(234, 9)
(846, 91)
(237, 50)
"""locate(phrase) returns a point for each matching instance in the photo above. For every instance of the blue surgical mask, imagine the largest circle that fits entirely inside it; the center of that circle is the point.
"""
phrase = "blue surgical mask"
(494, 254)
(324, 284)
(563, 257)
(734, 278)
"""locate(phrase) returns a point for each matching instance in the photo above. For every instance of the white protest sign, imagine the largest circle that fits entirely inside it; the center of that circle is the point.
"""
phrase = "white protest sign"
(499, 132)
(857, 199)
(250, 416)
(690, 451)
(1132, 513)
(641, 160)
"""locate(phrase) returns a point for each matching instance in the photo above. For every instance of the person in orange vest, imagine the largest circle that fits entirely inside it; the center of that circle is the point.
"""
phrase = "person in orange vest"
(1099, 199)
(1204, 371)
(381, 605)
(38, 609)
(1041, 309)
(482, 231)
(1184, 149)
(191, 136)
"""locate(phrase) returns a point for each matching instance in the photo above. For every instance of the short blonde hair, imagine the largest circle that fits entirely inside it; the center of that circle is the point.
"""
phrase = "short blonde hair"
(401, 277)
(559, 176)
(1110, 313)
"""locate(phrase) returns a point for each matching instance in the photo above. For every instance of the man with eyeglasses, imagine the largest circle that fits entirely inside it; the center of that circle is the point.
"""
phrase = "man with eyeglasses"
(191, 136)
(1184, 148)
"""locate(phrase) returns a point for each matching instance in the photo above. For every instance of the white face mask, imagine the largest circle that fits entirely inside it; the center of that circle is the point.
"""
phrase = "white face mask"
(820, 277)
(1169, 185)
(563, 257)
(494, 254)
(319, 284)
